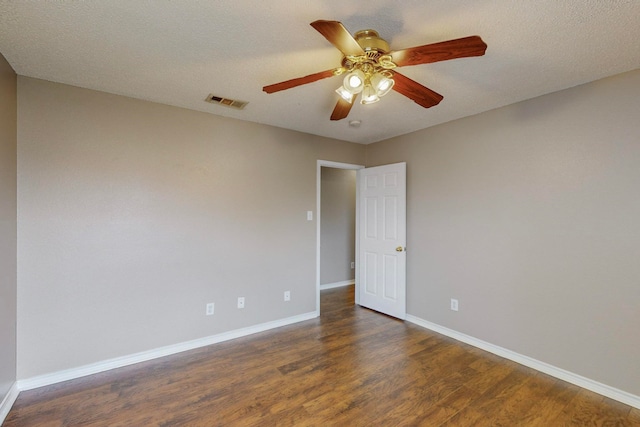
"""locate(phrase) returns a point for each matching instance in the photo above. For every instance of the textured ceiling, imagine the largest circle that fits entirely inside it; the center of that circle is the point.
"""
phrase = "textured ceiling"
(177, 52)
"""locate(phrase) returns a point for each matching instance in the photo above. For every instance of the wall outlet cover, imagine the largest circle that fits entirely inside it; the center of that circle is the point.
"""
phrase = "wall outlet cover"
(210, 309)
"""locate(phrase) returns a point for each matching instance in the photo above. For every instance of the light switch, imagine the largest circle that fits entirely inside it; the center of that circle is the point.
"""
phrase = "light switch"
(309, 215)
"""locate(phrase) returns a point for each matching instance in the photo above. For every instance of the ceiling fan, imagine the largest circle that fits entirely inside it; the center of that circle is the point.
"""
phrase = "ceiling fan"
(369, 66)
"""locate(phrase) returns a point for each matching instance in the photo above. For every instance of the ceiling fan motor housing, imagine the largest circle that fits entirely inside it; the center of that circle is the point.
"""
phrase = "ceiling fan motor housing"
(371, 42)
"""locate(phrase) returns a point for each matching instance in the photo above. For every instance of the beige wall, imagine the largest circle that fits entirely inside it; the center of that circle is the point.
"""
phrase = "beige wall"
(337, 225)
(134, 215)
(529, 216)
(8, 240)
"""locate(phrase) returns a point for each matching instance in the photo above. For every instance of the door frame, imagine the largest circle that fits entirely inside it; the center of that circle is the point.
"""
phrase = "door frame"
(335, 165)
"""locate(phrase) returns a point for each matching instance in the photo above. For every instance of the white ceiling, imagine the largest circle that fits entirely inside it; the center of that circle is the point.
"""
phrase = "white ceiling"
(176, 52)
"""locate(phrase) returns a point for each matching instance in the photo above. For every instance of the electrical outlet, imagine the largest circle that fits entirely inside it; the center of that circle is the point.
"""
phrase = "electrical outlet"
(353, 265)
(210, 309)
(240, 302)
(454, 304)
(287, 295)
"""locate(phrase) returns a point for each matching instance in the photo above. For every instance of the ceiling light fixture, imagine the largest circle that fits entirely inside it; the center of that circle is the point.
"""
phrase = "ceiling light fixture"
(372, 85)
(370, 73)
(354, 81)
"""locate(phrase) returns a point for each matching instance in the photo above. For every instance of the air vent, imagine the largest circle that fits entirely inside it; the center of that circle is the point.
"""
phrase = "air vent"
(225, 102)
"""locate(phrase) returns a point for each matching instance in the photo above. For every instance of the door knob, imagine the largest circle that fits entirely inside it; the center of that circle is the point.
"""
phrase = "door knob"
(399, 249)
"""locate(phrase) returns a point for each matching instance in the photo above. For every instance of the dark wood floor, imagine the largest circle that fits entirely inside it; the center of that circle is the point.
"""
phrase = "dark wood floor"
(350, 367)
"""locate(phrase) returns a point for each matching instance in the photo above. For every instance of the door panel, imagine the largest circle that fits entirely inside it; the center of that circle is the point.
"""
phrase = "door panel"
(390, 218)
(382, 239)
(370, 269)
(371, 207)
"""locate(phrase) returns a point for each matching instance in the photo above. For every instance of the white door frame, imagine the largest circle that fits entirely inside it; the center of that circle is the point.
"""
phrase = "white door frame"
(336, 165)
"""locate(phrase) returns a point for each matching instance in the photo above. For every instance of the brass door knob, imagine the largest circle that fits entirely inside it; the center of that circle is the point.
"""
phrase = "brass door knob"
(399, 249)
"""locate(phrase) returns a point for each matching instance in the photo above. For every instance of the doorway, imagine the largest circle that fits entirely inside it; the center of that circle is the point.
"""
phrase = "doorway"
(333, 268)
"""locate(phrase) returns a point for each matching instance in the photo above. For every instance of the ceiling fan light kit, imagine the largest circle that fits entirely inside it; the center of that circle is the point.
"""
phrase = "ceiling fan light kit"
(354, 82)
(366, 73)
(345, 94)
(370, 65)
(369, 95)
(382, 83)
(365, 78)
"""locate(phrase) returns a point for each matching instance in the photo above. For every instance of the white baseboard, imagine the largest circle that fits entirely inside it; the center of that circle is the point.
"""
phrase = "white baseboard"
(118, 362)
(8, 401)
(570, 377)
(337, 284)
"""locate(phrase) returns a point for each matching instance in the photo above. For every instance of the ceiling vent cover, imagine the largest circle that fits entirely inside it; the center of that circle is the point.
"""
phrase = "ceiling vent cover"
(225, 102)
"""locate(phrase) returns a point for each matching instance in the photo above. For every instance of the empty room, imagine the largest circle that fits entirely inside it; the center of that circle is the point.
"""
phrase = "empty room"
(339, 213)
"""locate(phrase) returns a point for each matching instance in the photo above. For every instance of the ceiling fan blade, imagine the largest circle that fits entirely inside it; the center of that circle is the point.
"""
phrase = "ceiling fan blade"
(338, 36)
(342, 108)
(434, 52)
(415, 91)
(300, 81)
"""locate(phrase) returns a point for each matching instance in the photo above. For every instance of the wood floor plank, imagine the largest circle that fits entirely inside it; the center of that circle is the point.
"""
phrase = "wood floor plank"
(516, 409)
(350, 367)
(546, 408)
(588, 408)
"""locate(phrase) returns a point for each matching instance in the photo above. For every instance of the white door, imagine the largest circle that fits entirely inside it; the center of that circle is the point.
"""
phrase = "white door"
(382, 239)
